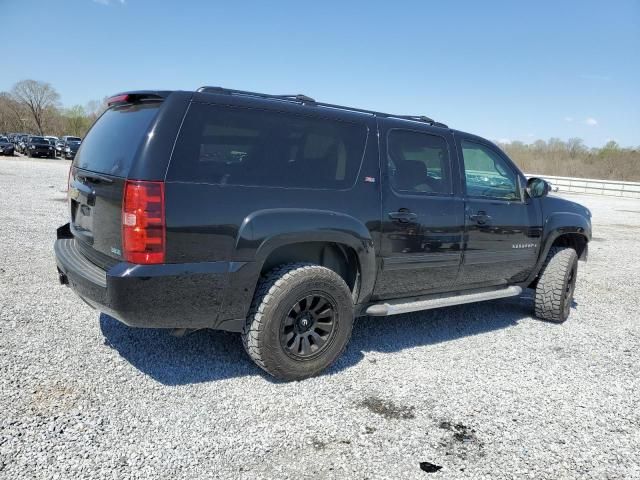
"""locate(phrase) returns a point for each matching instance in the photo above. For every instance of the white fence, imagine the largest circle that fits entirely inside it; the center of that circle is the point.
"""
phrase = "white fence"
(592, 186)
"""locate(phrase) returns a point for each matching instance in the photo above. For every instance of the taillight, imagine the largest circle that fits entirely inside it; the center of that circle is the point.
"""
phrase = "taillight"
(143, 227)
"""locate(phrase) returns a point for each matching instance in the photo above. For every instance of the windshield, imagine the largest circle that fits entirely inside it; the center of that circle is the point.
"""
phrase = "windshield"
(111, 144)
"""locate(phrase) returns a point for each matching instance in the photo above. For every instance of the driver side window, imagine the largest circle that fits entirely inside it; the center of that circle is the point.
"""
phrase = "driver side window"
(487, 174)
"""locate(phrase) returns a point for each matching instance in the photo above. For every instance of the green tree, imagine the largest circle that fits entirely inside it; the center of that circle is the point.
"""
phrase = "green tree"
(76, 121)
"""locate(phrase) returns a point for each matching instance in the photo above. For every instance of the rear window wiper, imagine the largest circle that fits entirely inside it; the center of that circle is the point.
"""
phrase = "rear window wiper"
(94, 177)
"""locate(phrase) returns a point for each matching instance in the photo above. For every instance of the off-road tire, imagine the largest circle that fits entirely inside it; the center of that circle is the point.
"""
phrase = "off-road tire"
(556, 283)
(275, 294)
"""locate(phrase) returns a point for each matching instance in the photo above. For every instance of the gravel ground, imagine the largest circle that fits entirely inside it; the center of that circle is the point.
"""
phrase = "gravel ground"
(484, 391)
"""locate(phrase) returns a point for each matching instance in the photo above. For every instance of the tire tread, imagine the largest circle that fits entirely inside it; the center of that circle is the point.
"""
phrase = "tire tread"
(551, 284)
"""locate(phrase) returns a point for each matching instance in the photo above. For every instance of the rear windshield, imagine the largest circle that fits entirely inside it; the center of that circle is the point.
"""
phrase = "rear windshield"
(73, 139)
(244, 146)
(111, 144)
(38, 140)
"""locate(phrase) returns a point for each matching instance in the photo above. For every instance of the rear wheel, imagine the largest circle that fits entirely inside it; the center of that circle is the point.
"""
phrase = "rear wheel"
(556, 284)
(300, 321)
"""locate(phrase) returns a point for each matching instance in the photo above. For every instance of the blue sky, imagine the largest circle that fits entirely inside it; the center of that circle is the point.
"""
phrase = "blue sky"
(500, 69)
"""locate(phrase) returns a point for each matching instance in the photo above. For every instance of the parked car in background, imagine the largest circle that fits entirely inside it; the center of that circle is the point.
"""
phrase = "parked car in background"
(6, 147)
(38, 147)
(21, 143)
(61, 144)
(51, 139)
(70, 149)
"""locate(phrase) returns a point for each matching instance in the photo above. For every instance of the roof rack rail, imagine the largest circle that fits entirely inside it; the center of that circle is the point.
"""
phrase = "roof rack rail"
(297, 98)
(305, 100)
(418, 118)
(422, 118)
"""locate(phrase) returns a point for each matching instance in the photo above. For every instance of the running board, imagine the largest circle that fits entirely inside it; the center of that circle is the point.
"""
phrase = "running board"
(396, 307)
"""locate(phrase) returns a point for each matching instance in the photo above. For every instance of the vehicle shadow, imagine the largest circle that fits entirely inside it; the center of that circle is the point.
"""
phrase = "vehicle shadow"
(208, 355)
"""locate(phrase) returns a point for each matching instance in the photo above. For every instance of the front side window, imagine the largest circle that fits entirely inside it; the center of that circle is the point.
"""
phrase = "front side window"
(418, 163)
(245, 146)
(487, 174)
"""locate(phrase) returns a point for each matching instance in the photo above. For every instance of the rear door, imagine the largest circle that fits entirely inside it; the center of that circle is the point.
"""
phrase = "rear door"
(422, 210)
(98, 175)
(502, 226)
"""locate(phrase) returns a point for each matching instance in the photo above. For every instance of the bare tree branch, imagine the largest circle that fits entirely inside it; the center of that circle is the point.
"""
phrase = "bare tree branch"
(38, 98)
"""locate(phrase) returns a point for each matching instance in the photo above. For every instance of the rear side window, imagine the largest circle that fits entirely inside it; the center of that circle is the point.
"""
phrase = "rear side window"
(244, 146)
(418, 163)
(111, 144)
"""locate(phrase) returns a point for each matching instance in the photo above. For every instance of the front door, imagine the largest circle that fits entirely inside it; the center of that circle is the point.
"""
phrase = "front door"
(422, 212)
(502, 226)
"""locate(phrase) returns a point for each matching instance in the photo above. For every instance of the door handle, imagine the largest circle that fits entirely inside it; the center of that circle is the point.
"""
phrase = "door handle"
(480, 217)
(402, 215)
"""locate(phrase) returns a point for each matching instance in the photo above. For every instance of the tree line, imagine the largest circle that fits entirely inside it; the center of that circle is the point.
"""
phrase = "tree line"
(34, 107)
(572, 158)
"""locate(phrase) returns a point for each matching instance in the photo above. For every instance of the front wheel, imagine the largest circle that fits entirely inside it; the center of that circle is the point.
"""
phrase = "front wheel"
(300, 321)
(556, 284)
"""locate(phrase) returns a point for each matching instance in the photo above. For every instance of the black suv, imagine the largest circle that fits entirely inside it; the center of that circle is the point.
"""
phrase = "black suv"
(284, 218)
(6, 147)
(38, 147)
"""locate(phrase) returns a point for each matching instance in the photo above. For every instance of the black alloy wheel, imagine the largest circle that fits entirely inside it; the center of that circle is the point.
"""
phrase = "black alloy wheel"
(309, 326)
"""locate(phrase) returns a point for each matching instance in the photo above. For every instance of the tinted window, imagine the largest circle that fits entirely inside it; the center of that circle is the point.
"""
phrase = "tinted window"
(37, 140)
(241, 146)
(487, 173)
(418, 162)
(73, 139)
(111, 144)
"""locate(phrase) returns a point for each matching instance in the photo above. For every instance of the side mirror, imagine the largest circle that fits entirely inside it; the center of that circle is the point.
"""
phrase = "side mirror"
(537, 187)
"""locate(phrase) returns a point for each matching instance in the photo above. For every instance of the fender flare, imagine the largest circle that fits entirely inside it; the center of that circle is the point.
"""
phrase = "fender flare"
(263, 231)
(556, 225)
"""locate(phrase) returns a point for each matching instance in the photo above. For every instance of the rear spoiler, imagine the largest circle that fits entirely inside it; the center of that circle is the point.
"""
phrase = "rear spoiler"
(137, 96)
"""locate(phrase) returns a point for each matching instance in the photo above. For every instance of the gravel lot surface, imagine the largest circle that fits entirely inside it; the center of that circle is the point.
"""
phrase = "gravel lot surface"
(483, 391)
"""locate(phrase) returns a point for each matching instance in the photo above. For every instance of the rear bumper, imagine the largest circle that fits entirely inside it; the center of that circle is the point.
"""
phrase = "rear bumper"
(156, 296)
